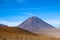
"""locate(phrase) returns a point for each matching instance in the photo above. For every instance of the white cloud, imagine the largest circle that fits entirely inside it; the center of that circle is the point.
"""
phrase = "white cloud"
(16, 18)
(21, 1)
(55, 23)
(13, 20)
(30, 14)
(10, 23)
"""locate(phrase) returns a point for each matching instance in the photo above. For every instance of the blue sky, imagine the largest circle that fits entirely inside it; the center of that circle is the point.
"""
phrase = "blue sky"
(13, 12)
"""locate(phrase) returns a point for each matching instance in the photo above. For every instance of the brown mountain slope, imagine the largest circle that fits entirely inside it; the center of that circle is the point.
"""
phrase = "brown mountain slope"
(15, 30)
(10, 33)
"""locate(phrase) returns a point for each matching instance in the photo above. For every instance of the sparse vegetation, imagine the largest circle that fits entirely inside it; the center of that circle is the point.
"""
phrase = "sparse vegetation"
(7, 33)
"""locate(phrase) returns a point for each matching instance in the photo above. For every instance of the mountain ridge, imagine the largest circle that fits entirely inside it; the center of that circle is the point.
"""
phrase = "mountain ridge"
(33, 23)
(2, 25)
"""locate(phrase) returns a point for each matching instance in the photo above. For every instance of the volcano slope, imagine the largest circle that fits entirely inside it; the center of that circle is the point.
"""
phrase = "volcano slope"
(34, 24)
(52, 32)
(12, 33)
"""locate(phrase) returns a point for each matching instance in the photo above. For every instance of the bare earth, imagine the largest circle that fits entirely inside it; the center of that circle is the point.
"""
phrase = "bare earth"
(10, 33)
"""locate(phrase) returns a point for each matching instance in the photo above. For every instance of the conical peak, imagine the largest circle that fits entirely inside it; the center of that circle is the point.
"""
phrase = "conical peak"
(34, 23)
(34, 17)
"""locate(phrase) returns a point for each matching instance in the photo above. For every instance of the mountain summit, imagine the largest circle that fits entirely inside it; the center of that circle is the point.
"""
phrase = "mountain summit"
(34, 23)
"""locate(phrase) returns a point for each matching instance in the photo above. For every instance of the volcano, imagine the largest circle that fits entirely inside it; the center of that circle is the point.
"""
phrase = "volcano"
(34, 24)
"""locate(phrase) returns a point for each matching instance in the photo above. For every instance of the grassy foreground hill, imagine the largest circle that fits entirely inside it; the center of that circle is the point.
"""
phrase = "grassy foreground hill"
(11, 33)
